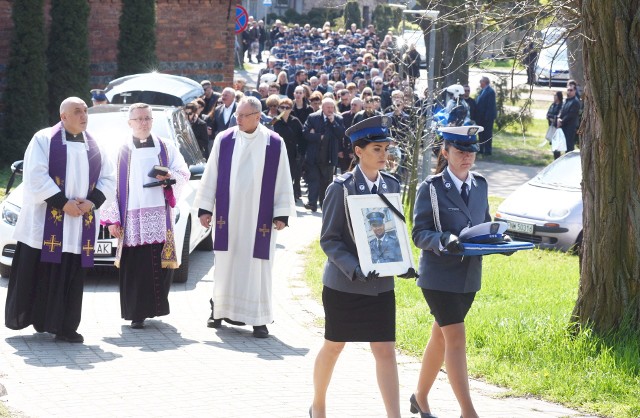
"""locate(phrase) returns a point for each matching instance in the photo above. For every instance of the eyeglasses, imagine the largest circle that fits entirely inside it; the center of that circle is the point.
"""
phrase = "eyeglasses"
(284, 107)
(189, 113)
(273, 105)
(369, 101)
(376, 99)
(143, 120)
(366, 94)
(243, 115)
(378, 82)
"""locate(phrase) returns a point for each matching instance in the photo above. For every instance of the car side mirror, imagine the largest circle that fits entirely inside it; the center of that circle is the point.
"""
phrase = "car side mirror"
(196, 171)
(16, 167)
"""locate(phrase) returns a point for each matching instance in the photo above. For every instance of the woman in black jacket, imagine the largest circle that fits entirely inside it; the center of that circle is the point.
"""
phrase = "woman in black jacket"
(290, 129)
(553, 113)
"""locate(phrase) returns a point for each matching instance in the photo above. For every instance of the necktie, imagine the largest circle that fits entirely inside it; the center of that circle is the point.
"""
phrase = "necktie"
(465, 193)
(380, 246)
(374, 189)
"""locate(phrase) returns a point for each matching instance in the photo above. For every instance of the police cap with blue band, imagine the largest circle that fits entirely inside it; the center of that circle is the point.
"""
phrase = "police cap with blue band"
(375, 218)
(463, 138)
(374, 129)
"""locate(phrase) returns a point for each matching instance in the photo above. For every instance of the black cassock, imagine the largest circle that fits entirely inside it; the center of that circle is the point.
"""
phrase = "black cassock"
(144, 284)
(45, 295)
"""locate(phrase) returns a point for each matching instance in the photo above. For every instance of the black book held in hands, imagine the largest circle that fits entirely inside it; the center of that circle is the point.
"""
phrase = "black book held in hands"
(158, 170)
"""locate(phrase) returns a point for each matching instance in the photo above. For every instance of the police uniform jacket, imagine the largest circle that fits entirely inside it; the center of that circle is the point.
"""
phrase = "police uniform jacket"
(449, 273)
(336, 239)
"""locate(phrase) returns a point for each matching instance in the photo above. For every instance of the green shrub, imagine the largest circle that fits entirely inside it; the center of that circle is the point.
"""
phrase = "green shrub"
(352, 14)
(137, 41)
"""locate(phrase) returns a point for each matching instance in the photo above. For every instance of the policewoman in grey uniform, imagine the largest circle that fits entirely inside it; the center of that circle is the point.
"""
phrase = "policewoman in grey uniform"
(358, 306)
(446, 203)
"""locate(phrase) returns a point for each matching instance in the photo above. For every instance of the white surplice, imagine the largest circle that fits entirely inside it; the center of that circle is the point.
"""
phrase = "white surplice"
(242, 283)
(38, 186)
(146, 209)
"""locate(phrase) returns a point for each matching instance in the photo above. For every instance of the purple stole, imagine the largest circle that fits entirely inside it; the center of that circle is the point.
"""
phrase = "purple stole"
(54, 217)
(168, 258)
(262, 241)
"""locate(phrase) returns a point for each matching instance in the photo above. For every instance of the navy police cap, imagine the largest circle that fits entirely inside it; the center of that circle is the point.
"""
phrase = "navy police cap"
(374, 129)
(462, 137)
(375, 218)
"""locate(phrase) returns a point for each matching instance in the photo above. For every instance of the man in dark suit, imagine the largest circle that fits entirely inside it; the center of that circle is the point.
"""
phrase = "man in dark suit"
(472, 103)
(345, 154)
(223, 116)
(486, 114)
(568, 118)
(323, 132)
(300, 79)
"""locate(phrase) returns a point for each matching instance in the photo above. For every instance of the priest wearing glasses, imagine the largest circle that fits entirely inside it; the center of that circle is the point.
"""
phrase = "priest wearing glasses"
(246, 195)
(67, 177)
(151, 174)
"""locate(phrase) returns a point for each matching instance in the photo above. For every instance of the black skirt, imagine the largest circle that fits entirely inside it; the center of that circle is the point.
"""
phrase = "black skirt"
(351, 317)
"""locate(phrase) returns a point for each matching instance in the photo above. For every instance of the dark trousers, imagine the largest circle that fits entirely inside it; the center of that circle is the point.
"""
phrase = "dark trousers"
(319, 177)
(485, 139)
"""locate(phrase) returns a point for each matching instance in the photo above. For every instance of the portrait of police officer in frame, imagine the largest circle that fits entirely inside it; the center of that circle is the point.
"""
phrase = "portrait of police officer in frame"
(381, 232)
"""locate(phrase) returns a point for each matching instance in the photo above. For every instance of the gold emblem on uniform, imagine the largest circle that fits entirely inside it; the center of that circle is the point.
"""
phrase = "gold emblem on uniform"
(384, 122)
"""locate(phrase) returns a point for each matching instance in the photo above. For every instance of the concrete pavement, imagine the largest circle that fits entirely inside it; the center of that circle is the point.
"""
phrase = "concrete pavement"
(179, 367)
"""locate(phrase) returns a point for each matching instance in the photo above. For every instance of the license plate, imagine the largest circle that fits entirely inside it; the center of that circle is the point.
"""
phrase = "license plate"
(521, 227)
(102, 249)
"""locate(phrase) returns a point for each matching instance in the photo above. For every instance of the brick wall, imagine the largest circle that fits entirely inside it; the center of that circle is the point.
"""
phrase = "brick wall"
(194, 38)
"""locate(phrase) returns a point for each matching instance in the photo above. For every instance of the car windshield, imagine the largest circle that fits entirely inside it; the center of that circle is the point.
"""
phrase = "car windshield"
(556, 54)
(111, 129)
(565, 172)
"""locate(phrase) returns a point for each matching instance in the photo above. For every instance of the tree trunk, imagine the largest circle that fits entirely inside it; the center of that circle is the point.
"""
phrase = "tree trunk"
(609, 293)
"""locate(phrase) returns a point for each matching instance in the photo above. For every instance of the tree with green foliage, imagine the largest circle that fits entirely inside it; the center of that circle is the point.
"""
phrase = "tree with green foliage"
(385, 18)
(25, 112)
(67, 54)
(137, 41)
(352, 15)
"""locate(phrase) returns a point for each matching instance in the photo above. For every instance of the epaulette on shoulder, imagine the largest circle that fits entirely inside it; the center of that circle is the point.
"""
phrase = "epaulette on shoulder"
(433, 177)
(478, 175)
(343, 177)
(388, 176)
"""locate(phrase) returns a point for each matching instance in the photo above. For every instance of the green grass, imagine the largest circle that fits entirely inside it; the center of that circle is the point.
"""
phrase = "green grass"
(518, 333)
(511, 146)
(504, 64)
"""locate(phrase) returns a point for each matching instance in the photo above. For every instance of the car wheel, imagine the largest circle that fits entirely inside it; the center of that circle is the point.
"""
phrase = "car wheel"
(5, 271)
(207, 243)
(182, 273)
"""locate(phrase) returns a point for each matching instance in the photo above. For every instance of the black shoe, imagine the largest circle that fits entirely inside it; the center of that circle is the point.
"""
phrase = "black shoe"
(214, 323)
(415, 408)
(232, 322)
(311, 208)
(70, 337)
(139, 324)
(260, 331)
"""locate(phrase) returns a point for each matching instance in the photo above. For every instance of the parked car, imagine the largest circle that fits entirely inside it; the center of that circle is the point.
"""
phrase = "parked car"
(547, 210)
(108, 124)
(552, 65)
(415, 37)
(153, 88)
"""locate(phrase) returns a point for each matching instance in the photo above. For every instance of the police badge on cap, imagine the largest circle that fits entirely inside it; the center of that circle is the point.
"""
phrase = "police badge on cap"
(463, 138)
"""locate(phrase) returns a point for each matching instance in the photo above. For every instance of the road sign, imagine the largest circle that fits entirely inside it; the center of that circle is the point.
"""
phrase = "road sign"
(242, 19)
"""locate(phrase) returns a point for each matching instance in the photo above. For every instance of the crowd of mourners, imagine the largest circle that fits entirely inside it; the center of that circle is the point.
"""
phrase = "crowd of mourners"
(343, 76)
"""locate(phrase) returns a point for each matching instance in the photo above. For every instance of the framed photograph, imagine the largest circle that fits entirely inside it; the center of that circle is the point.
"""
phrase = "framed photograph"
(381, 236)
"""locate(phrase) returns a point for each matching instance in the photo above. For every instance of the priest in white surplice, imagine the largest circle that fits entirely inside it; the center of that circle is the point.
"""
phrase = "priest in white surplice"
(67, 176)
(246, 195)
(142, 218)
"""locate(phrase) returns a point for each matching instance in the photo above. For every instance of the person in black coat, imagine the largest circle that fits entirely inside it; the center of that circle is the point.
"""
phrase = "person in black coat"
(199, 128)
(568, 118)
(486, 114)
(553, 113)
(412, 62)
(323, 132)
(472, 103)
(290, 129)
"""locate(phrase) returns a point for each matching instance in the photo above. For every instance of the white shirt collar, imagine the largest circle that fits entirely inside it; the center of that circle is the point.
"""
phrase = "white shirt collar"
(369, 182)
(458, 183)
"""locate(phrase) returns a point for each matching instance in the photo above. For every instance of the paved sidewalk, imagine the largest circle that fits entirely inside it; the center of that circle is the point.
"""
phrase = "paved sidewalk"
(179, 367)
